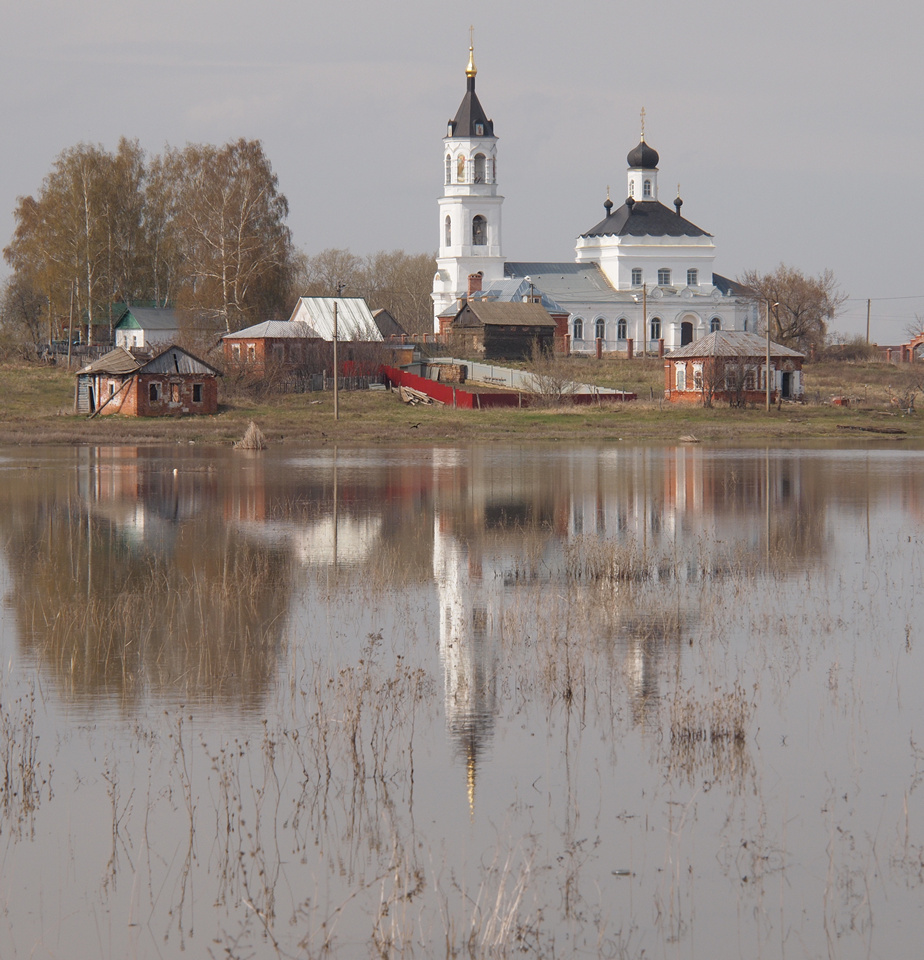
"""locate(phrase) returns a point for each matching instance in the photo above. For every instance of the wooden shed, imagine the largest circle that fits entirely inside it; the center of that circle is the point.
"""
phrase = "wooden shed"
(172, 384)
(502, 330)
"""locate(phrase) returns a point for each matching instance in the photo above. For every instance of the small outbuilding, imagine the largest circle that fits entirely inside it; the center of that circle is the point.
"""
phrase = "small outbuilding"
(172, 384)
(502, 330)
(731, 367)
(144, 328)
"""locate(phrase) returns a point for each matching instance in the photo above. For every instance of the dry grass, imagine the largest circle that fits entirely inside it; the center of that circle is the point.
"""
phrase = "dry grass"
(39, 402)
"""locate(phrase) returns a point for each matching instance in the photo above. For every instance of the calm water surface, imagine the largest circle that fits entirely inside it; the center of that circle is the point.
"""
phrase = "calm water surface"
(477, 701)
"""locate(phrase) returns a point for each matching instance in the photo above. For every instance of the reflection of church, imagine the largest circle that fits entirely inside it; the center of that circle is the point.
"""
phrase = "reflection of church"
(642, 273)
(467, 652)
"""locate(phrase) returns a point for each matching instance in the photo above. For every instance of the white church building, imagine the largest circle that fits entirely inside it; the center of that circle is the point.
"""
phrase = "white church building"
(641, 275)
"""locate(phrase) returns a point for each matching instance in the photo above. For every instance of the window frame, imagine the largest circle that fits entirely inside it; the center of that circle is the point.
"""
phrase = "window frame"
(664, 276)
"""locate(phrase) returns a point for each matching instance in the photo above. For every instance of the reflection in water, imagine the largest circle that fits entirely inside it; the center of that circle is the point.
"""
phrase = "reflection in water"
(654, 667)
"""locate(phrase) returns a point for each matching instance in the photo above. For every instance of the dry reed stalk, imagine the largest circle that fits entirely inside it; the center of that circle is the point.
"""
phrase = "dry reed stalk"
(253, 439)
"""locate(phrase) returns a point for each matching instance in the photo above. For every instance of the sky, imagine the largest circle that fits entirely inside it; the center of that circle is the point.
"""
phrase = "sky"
(794, 129)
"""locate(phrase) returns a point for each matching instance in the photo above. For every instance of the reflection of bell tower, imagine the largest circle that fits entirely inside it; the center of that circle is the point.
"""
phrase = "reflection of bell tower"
(470, 209)
(466, 652)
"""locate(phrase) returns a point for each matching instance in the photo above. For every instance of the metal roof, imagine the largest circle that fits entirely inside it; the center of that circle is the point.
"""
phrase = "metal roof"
(275, 330)
(645, 218)
(148, 318)
(565, 282)
(727, 343)
(354, 318)
(176, 360)
(516, 289)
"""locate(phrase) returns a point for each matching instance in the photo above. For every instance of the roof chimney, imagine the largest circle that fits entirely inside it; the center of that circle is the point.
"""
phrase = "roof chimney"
(474, 282)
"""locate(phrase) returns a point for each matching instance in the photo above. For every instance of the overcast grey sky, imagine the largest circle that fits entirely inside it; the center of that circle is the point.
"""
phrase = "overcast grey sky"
(794, 128)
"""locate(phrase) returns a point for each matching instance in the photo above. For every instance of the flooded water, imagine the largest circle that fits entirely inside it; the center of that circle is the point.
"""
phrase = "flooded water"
(494, 700)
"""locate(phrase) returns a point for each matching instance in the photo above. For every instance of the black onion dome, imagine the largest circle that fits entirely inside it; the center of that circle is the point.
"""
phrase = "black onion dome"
(643, 157)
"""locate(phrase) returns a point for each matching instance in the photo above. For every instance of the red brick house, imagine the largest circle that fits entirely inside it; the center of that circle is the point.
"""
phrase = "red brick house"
(172, 384)
(730, 367)
(273, 343)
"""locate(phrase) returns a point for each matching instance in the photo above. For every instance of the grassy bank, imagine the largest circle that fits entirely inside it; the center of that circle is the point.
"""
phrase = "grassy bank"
(38, 408)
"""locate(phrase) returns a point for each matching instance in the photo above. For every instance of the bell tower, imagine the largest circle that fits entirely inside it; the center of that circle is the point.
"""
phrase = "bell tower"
(470, 207)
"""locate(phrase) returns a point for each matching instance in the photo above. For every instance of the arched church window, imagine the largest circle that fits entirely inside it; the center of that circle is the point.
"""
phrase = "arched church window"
(479, 168)
(622, 329)
(646, 189)
(448, 168)
(715, 324)
(692, 277)
(655, 328)
(578, 329)
(448, 231)
(664, 277)
(600, 328)
(460, 169)
(479, 231)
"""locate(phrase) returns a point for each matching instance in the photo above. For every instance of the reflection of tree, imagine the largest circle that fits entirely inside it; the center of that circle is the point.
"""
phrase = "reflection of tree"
(112, 616)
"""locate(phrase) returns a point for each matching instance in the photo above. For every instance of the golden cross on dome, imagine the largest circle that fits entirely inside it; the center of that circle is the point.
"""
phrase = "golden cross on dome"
(643, 124)
(471, 70)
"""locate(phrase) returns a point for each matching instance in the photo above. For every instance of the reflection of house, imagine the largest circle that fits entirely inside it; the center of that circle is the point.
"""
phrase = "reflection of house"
(277, 343)
(174, 383)
(146, 327)
(732, 367)
(503, 331)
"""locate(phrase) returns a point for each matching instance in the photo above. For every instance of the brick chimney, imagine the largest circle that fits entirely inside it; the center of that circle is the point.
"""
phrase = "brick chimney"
(474, 283)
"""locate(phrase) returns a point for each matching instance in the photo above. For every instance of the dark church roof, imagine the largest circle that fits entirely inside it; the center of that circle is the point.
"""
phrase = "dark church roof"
(469, 114)
(645, 218)
(643, 157)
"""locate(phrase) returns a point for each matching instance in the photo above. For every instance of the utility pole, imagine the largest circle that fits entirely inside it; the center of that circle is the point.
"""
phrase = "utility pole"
(644, 320)
(867, 320)
(767, 377)
(336, 363)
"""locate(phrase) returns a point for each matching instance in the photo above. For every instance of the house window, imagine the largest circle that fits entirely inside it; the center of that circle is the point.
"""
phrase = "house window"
(715, 324)
(154, 392)
(664, 277)
(174, 393)
(622, 328)
(600, 330)
(655, 328)
(479, 231)
(692, 277)
(681, 373)
(479, 168)
(197, 393)
(448, 231)
(578, 328)
(697, 376)
(251, 352)
(111, 388)
(636, 276)
(448, 168)
(236, 351)
(646, 190)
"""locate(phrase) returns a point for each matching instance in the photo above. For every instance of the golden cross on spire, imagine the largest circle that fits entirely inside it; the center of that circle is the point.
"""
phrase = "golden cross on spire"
(471, 70)
(643, 124)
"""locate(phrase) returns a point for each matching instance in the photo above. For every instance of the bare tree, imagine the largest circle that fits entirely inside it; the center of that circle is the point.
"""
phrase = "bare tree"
(553, 377)
(803, 306)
